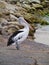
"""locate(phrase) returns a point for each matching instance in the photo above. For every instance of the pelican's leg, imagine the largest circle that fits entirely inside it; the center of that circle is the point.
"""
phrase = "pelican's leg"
(17, 46)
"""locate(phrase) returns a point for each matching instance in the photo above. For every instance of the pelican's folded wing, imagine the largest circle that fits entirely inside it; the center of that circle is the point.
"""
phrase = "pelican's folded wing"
(11, 40)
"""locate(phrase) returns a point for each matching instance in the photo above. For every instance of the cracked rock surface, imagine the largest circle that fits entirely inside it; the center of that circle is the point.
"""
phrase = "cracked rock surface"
(30, 53)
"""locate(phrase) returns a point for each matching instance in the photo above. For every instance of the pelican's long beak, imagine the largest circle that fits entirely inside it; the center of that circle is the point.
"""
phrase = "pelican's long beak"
(30, 26)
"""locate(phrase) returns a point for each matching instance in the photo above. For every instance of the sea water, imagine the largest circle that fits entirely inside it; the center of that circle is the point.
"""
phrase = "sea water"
(42, 33)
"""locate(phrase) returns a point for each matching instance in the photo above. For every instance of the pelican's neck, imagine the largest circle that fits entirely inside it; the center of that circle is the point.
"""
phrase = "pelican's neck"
(23, 22)
(26, 27)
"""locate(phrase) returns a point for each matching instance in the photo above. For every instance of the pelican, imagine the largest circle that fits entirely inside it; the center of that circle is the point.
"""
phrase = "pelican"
(19, 36)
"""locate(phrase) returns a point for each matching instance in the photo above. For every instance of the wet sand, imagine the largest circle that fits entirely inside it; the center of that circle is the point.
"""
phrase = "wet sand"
(30, 53)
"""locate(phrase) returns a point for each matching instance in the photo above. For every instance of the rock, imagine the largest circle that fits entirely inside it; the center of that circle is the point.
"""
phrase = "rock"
(26, 6)
(13, 18)
(2, 4)
(37, 6)
(31, 10)
(10, 7)
(2, 7)
(35, 1)
(7, 8)
(18, 4)
(45, 4)
(3, 21)
(17, 14)
(13, 1)
(30, 53)
(38, 1)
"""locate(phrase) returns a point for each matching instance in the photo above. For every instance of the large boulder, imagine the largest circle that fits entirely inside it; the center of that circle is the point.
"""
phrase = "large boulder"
(3, 21)
(38, 1)
(37, 6)
(7, 8)
(26, 6)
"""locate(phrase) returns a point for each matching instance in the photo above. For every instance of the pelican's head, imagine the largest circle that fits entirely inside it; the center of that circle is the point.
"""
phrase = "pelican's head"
(22, 21)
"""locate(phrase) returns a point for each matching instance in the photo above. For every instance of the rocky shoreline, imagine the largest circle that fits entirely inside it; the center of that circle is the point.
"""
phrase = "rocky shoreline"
(30, 10)
(30, 53)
